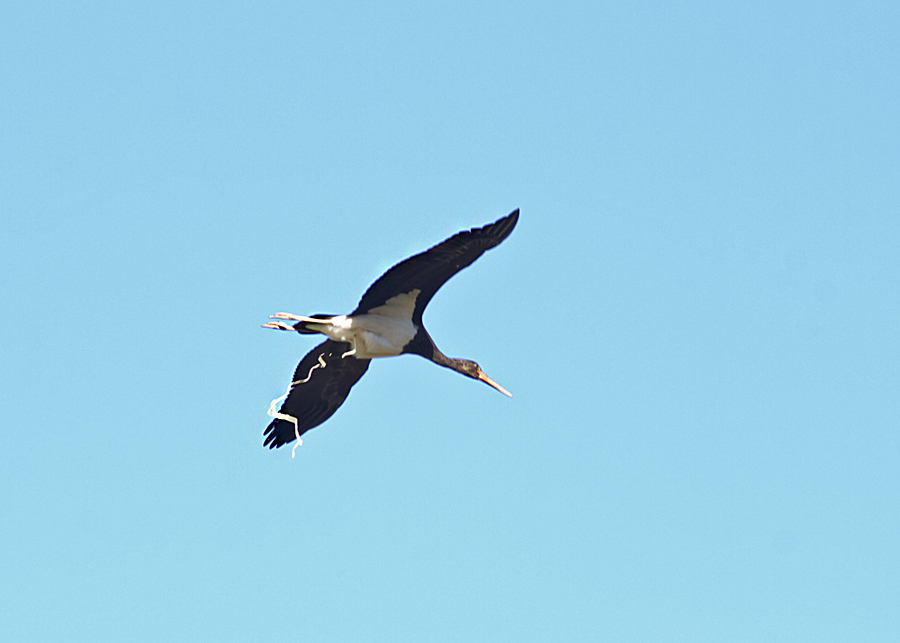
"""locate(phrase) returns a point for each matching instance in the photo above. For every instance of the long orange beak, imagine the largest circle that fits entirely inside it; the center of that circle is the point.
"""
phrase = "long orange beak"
(487, 380)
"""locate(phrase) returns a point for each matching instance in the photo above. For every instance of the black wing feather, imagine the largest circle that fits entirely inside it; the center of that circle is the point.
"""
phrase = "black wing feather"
(430, 270)
(315, 400)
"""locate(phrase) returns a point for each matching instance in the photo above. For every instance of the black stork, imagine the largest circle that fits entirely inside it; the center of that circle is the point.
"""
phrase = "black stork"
(387, 322)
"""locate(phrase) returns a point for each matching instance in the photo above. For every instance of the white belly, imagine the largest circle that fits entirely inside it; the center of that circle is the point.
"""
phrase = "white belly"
(382, 332)
(381, 336)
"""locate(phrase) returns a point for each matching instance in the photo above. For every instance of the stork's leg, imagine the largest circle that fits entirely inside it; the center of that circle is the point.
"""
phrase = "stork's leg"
(286, 316)
(311, 320)
(278, 325)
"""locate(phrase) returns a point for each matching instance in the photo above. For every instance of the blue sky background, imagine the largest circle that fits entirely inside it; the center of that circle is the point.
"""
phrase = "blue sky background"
(697, 316)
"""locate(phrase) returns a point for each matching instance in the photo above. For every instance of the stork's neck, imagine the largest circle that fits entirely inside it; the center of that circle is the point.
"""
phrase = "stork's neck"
(423, 345)
(450, 362)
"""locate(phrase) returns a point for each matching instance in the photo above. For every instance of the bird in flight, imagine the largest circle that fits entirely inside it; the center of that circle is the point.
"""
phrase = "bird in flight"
(387, 322)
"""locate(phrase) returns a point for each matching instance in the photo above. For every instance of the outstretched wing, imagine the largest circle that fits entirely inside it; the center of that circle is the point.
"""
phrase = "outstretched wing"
(429, 270)
(321, 383)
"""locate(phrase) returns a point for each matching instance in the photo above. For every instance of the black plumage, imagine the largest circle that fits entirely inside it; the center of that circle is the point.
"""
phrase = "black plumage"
(431, 269)
(320, 394)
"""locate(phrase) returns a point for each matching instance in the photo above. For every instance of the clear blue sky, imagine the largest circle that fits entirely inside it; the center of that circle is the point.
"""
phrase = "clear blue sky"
(697, 316)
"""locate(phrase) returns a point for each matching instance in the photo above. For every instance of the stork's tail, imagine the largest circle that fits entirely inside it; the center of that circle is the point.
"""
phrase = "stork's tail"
(304, 326)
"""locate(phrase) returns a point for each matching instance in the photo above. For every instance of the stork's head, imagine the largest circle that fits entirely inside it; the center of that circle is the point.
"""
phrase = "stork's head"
(473, 370)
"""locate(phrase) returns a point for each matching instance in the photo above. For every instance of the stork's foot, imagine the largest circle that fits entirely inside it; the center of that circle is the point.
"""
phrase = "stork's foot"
(278, 325)
(288, 316)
